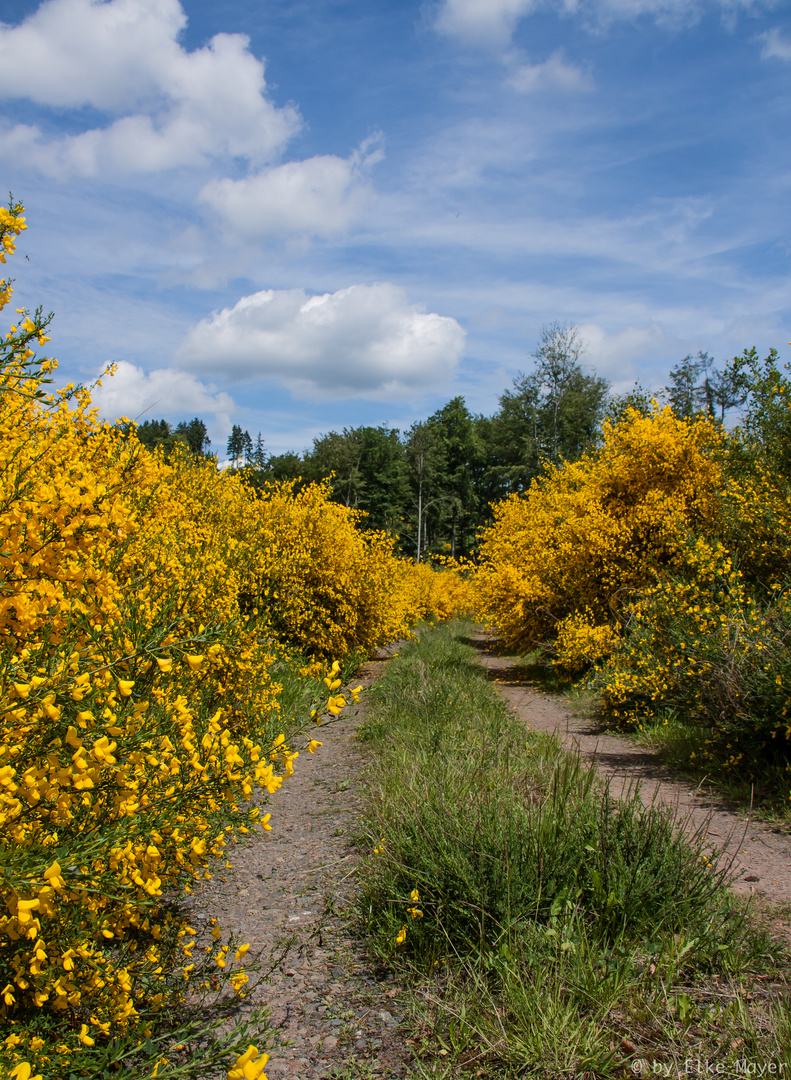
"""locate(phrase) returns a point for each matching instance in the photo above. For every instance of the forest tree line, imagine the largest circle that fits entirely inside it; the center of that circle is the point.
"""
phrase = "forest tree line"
(432, 487)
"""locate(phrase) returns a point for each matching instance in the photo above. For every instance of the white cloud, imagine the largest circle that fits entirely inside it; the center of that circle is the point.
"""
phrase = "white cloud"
(775, 45)
(492, 22)
(133, 393)
(364, 341)
(489, 22)
(622, 356)
(79, 52)
(555, 73)
(173, 107)
(318, 197)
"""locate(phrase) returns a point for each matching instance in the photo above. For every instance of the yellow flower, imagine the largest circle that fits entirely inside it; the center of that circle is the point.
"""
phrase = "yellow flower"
(119, 558)
(313, 745)
(401, 936)
(24, 909)
(23, 1071)
(249, 1066)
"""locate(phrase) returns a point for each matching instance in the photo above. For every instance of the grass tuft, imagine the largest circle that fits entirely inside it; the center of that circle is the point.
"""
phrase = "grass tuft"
(547, 928)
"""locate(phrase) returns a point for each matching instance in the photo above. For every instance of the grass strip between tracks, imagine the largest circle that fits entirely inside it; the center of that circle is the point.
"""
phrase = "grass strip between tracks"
(543, 928)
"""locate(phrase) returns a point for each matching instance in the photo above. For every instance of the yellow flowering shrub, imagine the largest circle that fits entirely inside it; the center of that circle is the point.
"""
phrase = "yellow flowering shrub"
(757, 515)
(659, 565)
(146, 606)
(438, 590)
(590, 534)
(702, 646)
(327, 586)
(137, 718)
(581, 642)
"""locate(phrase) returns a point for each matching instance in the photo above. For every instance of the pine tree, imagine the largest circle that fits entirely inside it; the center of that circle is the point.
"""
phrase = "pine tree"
(236, 445)
(194, 434)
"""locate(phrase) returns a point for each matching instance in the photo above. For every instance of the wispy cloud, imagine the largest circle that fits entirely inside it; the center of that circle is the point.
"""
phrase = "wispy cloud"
(485, 22)
(555, 73)
(491, 23)
(775, 45)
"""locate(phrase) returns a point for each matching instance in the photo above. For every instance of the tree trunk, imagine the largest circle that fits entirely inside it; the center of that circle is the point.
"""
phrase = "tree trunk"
(419, 510)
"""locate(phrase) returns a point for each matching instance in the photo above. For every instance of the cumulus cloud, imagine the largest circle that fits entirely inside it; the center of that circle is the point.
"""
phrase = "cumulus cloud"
(364, 341)
(173, 107)
(492, 22)
(555, 73)
(775, 45)
(132, 392)
(317, 197)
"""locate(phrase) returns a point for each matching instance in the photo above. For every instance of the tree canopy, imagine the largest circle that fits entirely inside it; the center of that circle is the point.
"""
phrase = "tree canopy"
(432, 487)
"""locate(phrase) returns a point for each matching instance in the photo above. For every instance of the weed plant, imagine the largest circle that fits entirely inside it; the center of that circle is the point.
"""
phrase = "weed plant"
(549, 929)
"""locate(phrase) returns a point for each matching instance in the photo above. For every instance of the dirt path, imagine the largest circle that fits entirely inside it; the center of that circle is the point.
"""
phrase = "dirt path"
(761, 857)
(288, 891)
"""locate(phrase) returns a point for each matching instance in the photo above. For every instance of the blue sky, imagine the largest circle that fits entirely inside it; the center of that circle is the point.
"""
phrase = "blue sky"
(298, 216)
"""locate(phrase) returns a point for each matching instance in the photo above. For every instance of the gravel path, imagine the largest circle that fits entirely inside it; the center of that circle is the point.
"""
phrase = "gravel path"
(289, 893)
(761, 857)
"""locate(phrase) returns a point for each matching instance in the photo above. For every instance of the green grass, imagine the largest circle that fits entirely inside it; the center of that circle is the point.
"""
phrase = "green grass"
(679, 745)
(562, 933)
(676, 743)
(300, 693)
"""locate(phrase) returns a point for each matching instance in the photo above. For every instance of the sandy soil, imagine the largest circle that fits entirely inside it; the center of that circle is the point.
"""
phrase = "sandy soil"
(289, 892)
(761, 857)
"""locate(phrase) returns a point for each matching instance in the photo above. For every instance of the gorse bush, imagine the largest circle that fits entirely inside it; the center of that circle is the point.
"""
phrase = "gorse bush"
(137, 717)
(711, 651)
(146, 607)
(329, 586)
(592, 532)
(440, 590)
(656, 567)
